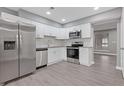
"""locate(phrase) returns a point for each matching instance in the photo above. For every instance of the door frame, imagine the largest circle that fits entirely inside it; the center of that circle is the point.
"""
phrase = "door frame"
(118, 62)
(118, 28)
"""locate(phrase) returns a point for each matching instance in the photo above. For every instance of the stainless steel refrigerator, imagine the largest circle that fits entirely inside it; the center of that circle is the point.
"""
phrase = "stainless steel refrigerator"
(17, 50)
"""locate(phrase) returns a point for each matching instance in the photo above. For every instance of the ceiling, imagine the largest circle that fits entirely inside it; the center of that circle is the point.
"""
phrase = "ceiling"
(68, 13)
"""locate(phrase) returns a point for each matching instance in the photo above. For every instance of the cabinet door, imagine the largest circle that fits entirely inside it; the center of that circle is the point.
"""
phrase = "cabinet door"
(38, 58)
(38, 34)
(39, 30)
(9, 17)
(77, 28)
(55, 31)
(84, 56)
(56, 54)
(65, 33)
(25, 20)
(86, 30)
(60, 34)
(49, 30)
(44, 58)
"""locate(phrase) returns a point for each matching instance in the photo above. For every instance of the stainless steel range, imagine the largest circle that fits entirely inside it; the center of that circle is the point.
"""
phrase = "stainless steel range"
(73, 53)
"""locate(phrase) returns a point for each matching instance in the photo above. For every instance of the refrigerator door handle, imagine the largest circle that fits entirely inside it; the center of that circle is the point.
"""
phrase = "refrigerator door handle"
(20, 42)
(17, 41)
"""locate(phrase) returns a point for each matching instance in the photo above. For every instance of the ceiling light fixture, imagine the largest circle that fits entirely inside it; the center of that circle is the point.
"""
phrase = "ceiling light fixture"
(48, 12)
(96, 8)
(63, 20)
(52, 8)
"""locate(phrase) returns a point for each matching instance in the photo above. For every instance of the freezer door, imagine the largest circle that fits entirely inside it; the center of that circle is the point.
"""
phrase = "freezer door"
(27, 49)
(8, 51)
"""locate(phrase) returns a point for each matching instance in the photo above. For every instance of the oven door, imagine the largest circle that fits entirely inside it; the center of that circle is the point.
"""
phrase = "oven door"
(73, 53)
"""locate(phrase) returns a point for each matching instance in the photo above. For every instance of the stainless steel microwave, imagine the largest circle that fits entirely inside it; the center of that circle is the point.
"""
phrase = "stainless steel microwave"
(75, 35)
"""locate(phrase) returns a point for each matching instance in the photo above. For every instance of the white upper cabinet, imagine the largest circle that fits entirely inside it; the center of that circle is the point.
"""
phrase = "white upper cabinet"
(77, 28)
(51, 31)
(9, 17)
(63, 33)
(59, 33)
(40, 30)
(14, 18)
(86, 30)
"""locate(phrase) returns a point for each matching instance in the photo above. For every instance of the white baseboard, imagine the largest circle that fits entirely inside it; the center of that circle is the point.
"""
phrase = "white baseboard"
(86, 65)
(51, 63)
(92, 62)
(118, 68)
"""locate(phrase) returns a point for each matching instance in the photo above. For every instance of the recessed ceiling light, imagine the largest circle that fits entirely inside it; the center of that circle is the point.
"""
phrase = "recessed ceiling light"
(48, 12)
(63, 20)
(96, 8)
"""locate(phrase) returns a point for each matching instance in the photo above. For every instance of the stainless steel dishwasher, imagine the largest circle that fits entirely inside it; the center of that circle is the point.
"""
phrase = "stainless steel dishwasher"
(41, 57)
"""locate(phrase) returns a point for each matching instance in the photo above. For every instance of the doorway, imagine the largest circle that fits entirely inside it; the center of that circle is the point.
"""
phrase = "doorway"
(105, 43)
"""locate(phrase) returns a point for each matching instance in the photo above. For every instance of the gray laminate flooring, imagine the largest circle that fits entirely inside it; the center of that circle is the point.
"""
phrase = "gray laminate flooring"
(102, 73)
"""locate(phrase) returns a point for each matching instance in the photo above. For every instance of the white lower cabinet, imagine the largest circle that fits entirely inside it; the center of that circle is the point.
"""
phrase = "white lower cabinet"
(38, 58)
(56, 54)
(86, 56)
(41, 58)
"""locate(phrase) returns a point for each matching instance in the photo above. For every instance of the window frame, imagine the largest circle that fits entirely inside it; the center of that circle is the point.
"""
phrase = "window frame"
(105, 42)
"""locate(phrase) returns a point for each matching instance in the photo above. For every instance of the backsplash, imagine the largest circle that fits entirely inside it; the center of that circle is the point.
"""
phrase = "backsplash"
(86, 42)
(49, 41)
(71, 41)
